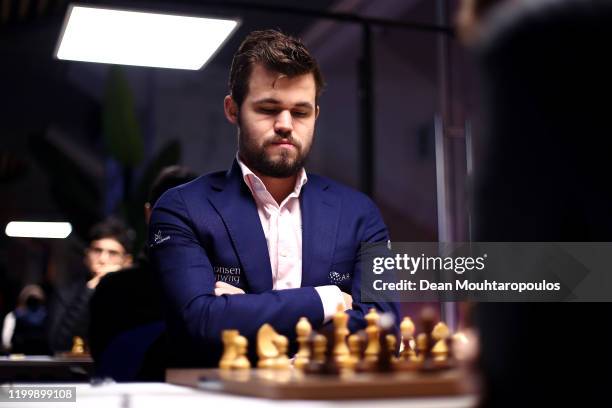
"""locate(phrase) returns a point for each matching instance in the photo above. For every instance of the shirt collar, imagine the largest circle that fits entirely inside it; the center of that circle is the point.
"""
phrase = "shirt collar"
(255, 184)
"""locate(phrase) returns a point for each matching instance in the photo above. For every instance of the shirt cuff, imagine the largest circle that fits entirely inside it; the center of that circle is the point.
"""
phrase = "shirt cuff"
(330, 296)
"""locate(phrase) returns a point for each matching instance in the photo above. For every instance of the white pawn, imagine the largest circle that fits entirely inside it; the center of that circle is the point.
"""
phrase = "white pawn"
(282, 344)
(373, 332)
(303, 330)
(241, 362)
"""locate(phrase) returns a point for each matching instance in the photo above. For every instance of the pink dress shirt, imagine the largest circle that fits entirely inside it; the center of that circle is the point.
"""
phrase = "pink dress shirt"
(282, 226)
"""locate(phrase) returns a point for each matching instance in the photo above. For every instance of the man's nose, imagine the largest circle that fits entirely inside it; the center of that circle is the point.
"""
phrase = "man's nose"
(283, 123)
(104, 257)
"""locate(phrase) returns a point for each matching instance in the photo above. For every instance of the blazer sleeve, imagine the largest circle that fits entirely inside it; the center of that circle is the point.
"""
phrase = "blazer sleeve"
(188, 281)
(373, 229)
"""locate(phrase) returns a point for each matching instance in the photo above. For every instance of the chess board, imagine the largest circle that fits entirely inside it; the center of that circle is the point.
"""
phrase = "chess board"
(293, 384)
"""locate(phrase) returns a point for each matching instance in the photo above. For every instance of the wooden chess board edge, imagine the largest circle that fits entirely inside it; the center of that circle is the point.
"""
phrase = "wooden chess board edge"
(373, 385)
(68, 355)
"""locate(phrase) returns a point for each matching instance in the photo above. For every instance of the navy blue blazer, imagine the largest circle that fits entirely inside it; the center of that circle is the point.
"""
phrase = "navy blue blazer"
(209, 230)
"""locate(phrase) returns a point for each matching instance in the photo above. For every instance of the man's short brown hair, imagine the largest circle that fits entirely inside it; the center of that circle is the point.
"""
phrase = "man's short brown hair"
(113, 228)
(276, 52)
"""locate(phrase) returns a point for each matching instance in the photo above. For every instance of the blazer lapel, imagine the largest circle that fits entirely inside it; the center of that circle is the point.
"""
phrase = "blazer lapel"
(320, 210)
(237, 208)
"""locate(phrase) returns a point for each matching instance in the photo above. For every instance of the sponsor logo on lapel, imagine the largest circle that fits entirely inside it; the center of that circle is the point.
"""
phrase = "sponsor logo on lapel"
(158, 238)
(339, 278)
(228, 274)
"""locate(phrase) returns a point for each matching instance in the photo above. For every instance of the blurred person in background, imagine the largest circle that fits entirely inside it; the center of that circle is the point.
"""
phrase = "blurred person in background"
(109, 250)
(130, 299)
(544, 177)
(24, 329)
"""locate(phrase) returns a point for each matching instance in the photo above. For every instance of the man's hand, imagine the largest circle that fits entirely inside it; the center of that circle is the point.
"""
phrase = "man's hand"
(222, 288)
(348, 300)
(93, 282)
(100, 273)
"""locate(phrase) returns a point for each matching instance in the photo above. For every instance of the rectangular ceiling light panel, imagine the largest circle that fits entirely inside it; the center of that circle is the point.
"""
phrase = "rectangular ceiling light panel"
(139, 38)
(30, 229)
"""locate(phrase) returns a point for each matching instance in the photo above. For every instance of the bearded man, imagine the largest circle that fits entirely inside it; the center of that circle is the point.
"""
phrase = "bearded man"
(264, 242)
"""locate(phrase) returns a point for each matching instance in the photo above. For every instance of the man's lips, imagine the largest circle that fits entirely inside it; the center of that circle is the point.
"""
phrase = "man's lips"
(282, 143)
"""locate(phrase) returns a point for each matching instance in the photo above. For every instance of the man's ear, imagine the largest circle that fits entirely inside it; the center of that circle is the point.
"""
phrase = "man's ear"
(147, 212)
(231, 109)
(317, 112)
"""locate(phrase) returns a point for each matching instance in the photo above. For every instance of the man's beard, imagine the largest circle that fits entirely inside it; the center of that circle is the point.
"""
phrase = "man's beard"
(258, 160)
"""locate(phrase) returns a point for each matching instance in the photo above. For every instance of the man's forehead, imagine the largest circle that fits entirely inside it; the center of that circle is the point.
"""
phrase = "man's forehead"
(107, 243)
(271, 85)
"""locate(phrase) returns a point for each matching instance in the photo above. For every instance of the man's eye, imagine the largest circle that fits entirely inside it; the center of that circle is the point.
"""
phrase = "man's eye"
(267, 111)
(300, 114)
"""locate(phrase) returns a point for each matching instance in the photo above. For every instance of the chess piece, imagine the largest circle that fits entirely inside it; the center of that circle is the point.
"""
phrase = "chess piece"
(241, 362)
(318, 345)
(460, 346)
(439, 351)
(408, 360)
(341, 352)
(282, 344)
(385, 354)
(78, 345)
(421, 346)
(331, 365)
(355, 345)
(303, 330)
(266, 349)
(425, 341)
(229, 350)
(373, 333)
(407, 331)
(391, 345)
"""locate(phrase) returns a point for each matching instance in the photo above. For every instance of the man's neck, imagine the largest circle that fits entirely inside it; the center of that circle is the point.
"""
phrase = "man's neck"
(279, 188)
